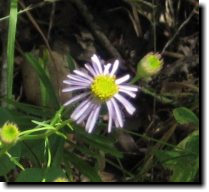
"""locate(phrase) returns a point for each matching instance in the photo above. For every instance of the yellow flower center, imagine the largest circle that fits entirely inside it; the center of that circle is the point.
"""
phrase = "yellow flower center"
(104, 87)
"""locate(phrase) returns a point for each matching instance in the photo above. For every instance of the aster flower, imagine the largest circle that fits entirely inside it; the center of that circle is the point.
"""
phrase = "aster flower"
(99, 86)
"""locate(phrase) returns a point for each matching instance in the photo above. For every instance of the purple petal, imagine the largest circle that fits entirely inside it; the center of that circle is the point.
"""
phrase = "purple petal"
(86, 76)
(85, 102)
(129, 88)
(92, 119)
(115, 67)
(76, 98)
(110, 115)
(90, 69)
(86, 114)
(131, 94)
(69, 89)
(117, 112)
(76, 83)
(122, 79)
(78, 78)
(96, 60)
(127, 105)
(106, 69)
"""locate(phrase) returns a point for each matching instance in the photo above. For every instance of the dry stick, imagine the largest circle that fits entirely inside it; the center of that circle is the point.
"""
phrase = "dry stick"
(150, 156)
(51, 19)
(35, 24)
(154, 27)
(87, 16)
(178, 31)
(29, 8)
(24, 10)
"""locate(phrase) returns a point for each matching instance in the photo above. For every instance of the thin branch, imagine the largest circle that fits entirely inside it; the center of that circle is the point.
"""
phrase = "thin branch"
(51, 20)
(154, 26)
(88, 17)
(178, 31)
(29, 8)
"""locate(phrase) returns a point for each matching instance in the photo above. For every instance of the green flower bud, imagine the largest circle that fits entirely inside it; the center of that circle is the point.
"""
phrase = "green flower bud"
(61, 179)
(9, 133)
(149, 66)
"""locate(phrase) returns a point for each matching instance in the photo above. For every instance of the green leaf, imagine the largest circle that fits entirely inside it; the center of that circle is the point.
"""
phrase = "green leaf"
(184, 115)
(34, 61)
(189, 140)
(71, 62)
(98, 141)
(5, 115)
(83, 167)
(31, 175)
(53, 173)
(33, 110)
(34, 151)
(57, 144)
(183, 160)
(22, 120)
(6, 165)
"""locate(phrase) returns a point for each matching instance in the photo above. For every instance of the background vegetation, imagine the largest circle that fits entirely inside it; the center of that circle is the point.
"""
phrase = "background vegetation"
(43, 40)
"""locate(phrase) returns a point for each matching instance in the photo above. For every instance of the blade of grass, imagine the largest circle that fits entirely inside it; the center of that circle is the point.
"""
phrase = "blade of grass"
(44, 78)
(32, 110)
(10, 47)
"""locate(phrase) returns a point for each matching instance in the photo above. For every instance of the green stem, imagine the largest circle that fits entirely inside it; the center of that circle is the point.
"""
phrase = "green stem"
(160, 98)
(5, 148)
(44, 135)
(135, 79)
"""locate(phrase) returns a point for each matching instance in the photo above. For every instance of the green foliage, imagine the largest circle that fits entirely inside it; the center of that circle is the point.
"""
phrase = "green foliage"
(6, 165)
(183, 160)
(71, 62)
(40, 175)
(10, 47)
(32, 111)
(184, 115)
(84, 167)
(30, 175)
(52, 173)
(37, 63)
(50, 147)
(6, 117)
(101, 143)
(11, 115)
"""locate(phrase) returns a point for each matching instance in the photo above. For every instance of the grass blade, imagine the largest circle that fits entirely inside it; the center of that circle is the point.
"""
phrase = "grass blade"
(10, 47)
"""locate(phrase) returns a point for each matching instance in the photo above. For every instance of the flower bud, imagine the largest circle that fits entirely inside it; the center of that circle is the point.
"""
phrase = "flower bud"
(149, 66)
(9, 133)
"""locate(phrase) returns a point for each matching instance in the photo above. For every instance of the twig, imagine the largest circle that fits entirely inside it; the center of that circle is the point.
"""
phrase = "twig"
(154, 27)
(29, 8)
(173, 54)
(51, 19)
(87, 16)
(35, 24)
(178, 31)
